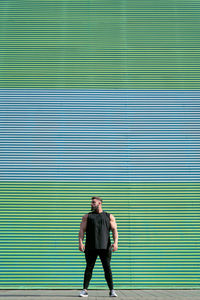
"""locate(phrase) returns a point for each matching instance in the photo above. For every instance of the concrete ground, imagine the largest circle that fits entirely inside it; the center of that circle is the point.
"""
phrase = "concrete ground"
(100, 294)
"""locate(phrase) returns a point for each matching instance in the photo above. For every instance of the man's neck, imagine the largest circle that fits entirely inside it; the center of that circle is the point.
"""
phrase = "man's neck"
(98, 212)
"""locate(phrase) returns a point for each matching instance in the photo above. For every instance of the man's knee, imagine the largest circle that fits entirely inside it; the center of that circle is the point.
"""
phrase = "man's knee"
(89, 267)
(107, 267)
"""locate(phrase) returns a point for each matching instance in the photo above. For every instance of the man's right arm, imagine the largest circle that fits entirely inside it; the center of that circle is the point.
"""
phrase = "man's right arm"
(83, 226)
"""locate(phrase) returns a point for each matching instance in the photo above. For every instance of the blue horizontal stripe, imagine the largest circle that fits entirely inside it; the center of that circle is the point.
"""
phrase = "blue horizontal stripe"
(113, 135)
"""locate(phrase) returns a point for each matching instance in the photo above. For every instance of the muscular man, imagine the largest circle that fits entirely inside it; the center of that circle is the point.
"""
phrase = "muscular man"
(97, 225)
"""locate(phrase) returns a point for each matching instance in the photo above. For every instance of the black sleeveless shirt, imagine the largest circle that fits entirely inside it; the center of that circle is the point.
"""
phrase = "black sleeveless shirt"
(98, 231)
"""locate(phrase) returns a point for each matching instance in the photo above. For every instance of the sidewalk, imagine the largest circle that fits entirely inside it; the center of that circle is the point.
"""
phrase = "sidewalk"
(100, 294)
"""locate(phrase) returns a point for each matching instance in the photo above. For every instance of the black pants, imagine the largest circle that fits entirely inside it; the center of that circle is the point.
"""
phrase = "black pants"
(105, 256)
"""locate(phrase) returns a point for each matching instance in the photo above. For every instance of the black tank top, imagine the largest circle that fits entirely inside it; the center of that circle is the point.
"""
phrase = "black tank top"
(98, 231)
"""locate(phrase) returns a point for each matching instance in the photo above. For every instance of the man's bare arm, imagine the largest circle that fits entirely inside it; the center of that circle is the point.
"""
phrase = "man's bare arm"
(83, 226)
(113, 226)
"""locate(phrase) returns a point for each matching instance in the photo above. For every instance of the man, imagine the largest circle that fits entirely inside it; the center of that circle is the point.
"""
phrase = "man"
(97, 225)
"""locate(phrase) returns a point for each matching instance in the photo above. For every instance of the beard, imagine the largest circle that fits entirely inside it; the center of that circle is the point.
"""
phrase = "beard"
(94, 208)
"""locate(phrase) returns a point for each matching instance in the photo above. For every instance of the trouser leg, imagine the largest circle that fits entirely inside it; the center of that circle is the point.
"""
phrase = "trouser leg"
(90, 257)
(105, 256)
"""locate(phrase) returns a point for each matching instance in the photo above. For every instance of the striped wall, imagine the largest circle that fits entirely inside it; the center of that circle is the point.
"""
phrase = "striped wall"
(99, 98)
(158, 226)
(100, 44)
(99, 135)
(137, 150)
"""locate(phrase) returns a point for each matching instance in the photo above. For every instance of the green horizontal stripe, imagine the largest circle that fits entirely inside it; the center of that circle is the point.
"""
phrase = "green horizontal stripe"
(158, 226)
(107, 44)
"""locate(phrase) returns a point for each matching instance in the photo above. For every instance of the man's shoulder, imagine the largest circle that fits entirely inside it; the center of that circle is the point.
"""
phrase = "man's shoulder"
(85, 217)
(108, 214)
(112, 218)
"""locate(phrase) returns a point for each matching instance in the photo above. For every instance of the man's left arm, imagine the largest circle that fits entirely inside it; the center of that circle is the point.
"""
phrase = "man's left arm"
(113, 226)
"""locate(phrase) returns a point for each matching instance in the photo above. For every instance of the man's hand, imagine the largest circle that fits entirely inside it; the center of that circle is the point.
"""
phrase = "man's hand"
(115, 247)
(81, 247)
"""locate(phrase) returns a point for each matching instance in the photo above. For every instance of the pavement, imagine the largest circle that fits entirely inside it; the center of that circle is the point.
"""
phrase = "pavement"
(135, 294)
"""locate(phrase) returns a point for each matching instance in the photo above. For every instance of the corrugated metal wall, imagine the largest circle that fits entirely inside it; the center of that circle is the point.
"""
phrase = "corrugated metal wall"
(100, 44)
(158, 226)
(99, 98)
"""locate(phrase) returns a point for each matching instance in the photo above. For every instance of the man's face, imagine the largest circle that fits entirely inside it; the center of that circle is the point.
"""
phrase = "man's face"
(95, 204)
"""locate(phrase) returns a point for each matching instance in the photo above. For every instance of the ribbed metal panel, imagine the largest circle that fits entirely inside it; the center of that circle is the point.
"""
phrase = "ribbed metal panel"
(138, 150)
(158, 225)
(101, 44)
(99, 98)
(64, 135)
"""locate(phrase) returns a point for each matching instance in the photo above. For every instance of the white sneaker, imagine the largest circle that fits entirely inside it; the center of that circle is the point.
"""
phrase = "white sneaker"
(83, 294)
(112, 293)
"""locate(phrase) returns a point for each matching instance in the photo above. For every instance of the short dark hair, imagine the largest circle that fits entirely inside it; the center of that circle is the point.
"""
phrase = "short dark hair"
(97, 198)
